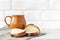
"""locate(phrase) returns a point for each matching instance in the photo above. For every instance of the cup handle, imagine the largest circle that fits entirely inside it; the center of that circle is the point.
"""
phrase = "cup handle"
(5, 20)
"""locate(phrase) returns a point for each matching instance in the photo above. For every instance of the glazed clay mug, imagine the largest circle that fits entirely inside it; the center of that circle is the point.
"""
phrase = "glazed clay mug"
(17, 21)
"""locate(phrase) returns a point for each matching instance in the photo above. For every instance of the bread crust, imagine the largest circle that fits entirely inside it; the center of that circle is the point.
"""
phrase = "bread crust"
(33, 34)
(21, 34)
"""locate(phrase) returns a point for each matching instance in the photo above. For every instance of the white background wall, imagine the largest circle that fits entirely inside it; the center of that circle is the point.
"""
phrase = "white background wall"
(43, 13)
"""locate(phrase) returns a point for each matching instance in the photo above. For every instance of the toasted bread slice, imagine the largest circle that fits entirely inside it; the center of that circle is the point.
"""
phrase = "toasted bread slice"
(17, 32)
(32, 30)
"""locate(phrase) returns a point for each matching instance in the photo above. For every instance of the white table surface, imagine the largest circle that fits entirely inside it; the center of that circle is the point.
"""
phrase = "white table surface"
(51, 34)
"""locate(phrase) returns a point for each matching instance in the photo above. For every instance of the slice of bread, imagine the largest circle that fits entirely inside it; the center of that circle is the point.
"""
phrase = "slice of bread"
(17, 32)
(32, 30)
